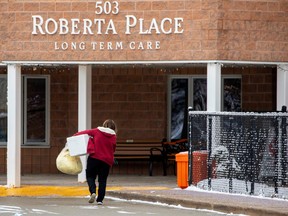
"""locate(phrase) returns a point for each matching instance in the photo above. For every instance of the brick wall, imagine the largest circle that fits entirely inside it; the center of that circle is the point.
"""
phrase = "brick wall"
(43, 160)
(251, 30)
(135, 97)
(259, 91)
(258, 87)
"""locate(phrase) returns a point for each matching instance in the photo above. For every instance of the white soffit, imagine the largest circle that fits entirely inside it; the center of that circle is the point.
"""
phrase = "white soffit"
(146, 63)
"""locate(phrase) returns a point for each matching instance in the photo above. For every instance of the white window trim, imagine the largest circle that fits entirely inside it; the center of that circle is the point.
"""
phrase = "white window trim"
(47, 116)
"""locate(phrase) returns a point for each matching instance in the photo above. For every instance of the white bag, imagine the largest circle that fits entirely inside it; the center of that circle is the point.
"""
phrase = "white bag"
(68, 164)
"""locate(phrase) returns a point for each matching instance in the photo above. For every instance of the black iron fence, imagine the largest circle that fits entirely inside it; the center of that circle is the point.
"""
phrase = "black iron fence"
(247, 152)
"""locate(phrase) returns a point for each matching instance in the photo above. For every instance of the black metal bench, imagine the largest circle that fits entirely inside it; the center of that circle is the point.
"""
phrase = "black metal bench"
(168, 153)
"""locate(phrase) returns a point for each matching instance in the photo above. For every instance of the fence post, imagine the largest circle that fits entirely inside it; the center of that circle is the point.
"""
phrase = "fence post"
(252, 157)
(276, 159)
(230, 158)
(209, 132)
(190, 147)
(284, 146)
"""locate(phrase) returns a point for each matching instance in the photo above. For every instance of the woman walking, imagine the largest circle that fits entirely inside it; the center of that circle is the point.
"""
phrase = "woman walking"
(101, 157)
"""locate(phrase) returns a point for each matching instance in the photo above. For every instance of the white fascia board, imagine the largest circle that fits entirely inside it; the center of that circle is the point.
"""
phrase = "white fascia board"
(140, 62)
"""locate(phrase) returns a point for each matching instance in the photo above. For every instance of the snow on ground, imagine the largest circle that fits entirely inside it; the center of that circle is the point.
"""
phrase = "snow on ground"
(240, 187)
(173, 206)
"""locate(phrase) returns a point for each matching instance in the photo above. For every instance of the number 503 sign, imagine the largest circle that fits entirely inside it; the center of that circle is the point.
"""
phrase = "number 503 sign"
(106, 7)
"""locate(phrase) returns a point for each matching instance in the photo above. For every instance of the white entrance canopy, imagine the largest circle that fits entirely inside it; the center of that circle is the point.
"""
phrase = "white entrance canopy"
(84, 98)
(184, 62)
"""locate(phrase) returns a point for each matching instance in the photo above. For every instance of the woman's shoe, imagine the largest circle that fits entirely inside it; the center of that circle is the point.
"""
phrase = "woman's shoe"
(92, 198)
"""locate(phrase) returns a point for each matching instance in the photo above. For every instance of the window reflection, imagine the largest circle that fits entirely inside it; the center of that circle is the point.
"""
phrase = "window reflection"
(200, 94)
(232, 94)
(36, 109)
(179, 101)
(179, 104)
(3, 109)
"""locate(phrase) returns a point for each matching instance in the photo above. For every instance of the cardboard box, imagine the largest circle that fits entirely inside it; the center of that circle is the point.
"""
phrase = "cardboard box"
(77, 145)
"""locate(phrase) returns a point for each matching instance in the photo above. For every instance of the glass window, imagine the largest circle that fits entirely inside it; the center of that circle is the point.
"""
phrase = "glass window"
(35, 110)
(179, 104)
(3, 110)
(200, 94)
(191, 91)
(232, 94)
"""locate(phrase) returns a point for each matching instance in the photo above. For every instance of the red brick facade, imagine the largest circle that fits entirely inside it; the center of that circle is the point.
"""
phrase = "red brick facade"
(135, 95)
(213, 30)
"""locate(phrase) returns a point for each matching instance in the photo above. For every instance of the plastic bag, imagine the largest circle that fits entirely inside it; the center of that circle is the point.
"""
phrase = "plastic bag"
(68, 164)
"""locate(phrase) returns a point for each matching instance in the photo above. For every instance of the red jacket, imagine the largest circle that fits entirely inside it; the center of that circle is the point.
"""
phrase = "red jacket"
(103, 145)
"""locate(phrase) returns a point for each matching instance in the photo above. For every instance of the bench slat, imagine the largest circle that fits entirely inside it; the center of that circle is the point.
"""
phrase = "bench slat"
(132, 153)
(136, 149)
(140, 150)
(132, 158)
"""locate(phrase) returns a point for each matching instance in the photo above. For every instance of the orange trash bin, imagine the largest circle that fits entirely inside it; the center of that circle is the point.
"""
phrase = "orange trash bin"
(199, 167)
(182, 169)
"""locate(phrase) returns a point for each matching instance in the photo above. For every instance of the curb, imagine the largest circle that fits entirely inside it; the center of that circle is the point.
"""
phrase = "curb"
(225, 207)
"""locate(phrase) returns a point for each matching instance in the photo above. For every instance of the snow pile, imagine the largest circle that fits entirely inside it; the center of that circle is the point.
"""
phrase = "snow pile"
(240, 187)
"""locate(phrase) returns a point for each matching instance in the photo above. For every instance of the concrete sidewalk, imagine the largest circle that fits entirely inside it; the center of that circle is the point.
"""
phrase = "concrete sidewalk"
(161, 189)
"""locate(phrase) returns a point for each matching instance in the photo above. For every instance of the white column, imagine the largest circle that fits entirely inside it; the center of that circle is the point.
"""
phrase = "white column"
(84, 107)
(14, 126)
(282, 86)
(214, 99)
(214, 87)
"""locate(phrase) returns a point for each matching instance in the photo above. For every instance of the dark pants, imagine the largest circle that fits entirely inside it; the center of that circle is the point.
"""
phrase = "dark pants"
(96, 168)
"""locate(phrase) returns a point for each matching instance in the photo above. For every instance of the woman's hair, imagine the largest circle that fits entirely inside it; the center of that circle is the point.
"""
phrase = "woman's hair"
(109, 123)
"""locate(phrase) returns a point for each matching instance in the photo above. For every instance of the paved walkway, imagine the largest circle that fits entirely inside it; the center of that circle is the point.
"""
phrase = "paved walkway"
(162, 189)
